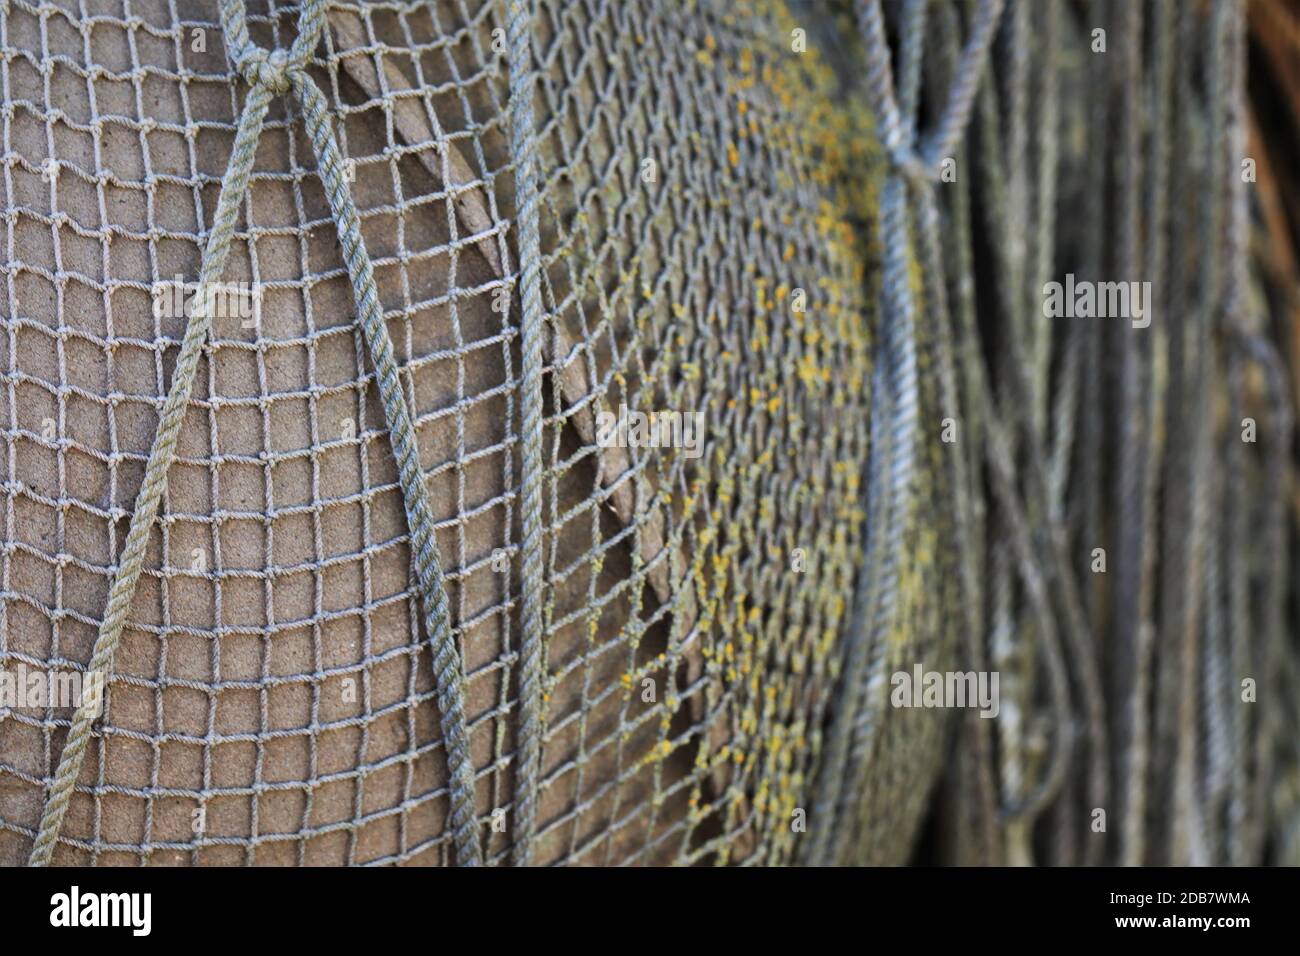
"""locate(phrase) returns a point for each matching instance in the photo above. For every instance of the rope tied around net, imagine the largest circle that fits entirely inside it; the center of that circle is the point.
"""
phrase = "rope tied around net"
(272, 70)
(270, 74)
(915, 158)
(894, 387)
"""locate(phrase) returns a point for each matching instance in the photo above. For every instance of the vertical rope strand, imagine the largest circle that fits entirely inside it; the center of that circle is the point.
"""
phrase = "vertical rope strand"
(447, 666)
(894, 386)
(233, 189)
(523, 149)
(847, 741)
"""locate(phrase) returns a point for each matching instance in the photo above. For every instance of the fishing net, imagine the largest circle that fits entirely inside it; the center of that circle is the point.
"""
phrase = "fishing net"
(272, 697)
(403, 601)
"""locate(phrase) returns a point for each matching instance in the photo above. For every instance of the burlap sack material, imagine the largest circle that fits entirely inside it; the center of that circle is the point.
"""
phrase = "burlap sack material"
(272, 698)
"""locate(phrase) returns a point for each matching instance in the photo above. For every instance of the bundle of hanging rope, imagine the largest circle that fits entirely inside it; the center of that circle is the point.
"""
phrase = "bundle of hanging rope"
(365, 580)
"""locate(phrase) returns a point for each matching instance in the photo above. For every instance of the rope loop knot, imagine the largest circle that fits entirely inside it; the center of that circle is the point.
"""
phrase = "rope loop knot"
(272, 70)
(906, 162)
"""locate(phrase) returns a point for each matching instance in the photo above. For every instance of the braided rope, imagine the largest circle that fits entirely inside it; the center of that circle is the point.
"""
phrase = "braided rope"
(275, 74)
(523, 145)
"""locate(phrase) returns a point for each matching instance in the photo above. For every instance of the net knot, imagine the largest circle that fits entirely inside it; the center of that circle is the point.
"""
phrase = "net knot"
(271, 70)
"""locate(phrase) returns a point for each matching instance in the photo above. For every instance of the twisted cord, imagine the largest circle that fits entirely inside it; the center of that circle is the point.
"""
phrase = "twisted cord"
(911, 44)
(1252, 349)
(880, 77)
(893, 415)
(1135, 797)
(897, 134)
(1055, 562)
(1227, 584)
(275, 74)
(1186, 826)
(1001, 159)
(962, 342)
(1047, 124)
(234, 186)
(894, 383)
(1247, 809)
(892, 478)
(1184, 232)
(894, 394)
(1135, 405)
(959, 477)
(271, 69)
(419, 513)
(523, 146)
(1041, 572)
(956, 113)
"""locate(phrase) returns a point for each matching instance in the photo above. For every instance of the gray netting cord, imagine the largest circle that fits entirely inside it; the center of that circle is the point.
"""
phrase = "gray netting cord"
(270, 75)
(234, 710)
(481, 227)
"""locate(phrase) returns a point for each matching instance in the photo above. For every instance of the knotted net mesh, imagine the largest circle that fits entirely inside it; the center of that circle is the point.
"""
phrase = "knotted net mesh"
(664, 652)
(271, 698)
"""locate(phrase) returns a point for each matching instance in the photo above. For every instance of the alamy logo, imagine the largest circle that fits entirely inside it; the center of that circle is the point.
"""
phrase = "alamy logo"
(923, 688)
(635, 429)
(28, 687)
(221, 300)
(103, 909)
(1101, 300)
